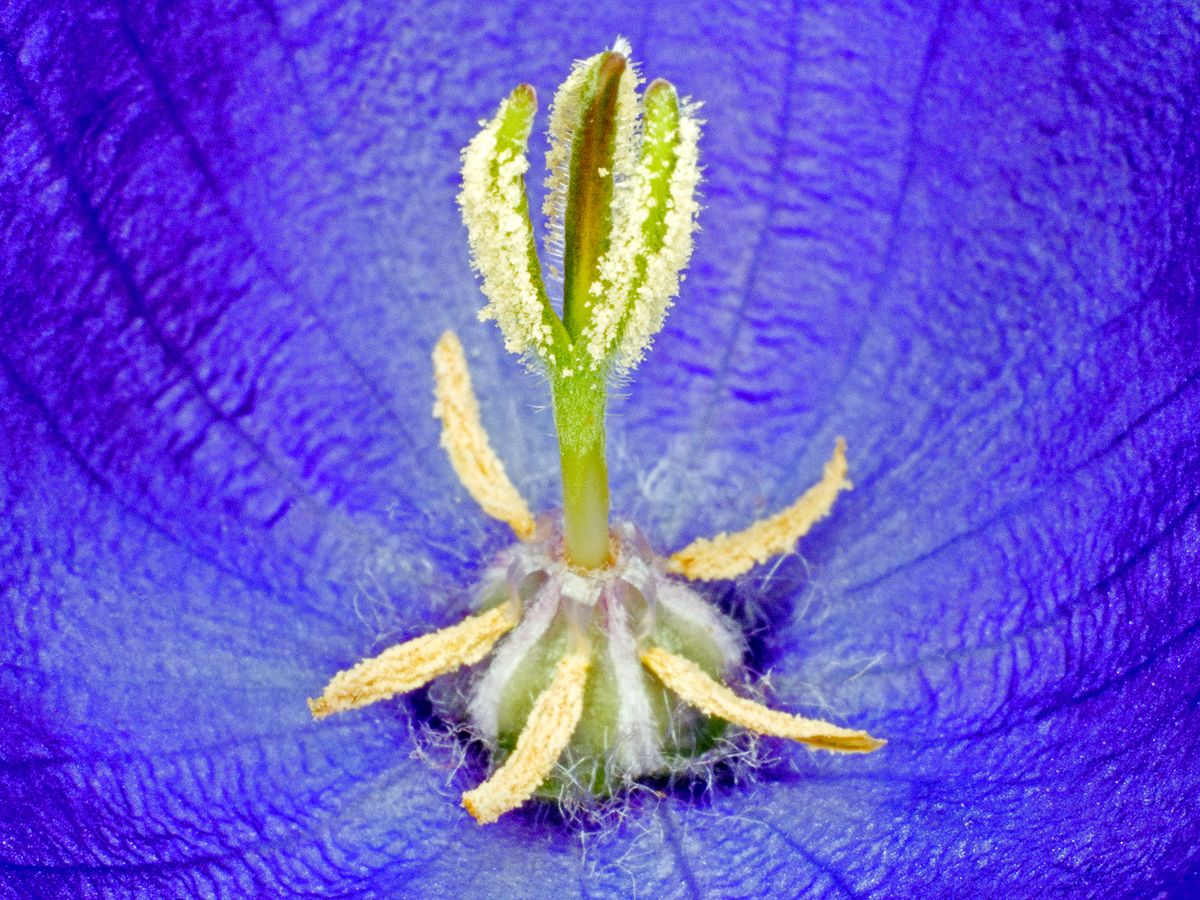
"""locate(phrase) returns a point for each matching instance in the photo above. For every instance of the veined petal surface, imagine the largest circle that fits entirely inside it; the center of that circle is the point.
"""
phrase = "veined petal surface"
(962, 237)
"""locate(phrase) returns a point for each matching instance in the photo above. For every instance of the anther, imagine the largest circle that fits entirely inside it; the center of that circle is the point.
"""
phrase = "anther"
(731, 555)
(547, 732)
(415, 663)
(692, 685)
(466, 442)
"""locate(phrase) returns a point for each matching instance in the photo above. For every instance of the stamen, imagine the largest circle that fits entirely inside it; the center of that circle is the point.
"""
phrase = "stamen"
(475, 462)
(415, 663)
(711, 697)
(547, 732)
(730, 555)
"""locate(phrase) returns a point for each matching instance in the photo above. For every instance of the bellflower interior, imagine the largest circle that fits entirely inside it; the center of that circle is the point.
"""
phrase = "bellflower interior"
(963, 238)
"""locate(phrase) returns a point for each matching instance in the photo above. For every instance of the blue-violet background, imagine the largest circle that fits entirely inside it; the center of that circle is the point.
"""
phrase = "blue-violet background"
(962, 235)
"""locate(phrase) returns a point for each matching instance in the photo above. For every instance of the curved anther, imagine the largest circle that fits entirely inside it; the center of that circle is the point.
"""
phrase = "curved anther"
(731, 555)
(547, 732)
(415, 663)
(692, 685)
(466, 443)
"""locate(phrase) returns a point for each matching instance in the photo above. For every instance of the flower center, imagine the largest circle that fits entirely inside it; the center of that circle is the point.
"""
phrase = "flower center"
(602, 674)
(607, 667)
(631, 726)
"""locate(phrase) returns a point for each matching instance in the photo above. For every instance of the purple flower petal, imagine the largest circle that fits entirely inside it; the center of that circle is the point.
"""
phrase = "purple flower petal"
(965, 239)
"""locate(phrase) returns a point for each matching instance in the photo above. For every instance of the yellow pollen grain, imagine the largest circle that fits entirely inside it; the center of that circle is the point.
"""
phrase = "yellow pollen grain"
(696, 688)
(466, 443)
(731, 555)
(547, 731)
(414, 663)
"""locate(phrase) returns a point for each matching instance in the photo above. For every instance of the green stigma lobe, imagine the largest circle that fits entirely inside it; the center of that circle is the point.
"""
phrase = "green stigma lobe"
(660, 139)
(512, 138)
(660, 153)
(589, 195)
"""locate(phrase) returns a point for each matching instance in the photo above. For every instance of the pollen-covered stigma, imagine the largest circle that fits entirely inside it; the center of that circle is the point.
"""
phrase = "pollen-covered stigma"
(603, 665)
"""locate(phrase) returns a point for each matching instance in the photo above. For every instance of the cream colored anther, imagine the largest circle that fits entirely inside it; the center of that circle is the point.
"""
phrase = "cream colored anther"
(693, 686)
(466, 443)
(547, 732)
(415, 663)
(731, 555)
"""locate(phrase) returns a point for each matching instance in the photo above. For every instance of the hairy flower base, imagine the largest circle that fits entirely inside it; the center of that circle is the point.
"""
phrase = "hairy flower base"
(596, 678)
(631, 725)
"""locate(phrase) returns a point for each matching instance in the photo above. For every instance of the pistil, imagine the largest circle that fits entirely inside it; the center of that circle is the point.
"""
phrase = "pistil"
(589, 663)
